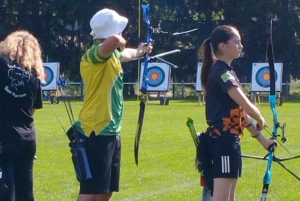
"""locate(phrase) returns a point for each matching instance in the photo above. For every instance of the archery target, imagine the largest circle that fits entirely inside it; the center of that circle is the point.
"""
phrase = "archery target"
(49, 75)
(158, 76)
(261, 77)
(198, 78)
(51, 72)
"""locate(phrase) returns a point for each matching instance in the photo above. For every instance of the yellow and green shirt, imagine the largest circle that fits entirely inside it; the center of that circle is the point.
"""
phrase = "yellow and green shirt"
(102, 109)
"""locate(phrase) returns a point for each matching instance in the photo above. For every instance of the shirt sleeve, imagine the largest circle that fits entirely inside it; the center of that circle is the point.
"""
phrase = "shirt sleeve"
(118, 54)
(225, 79)
(95, 56)
(39, 97)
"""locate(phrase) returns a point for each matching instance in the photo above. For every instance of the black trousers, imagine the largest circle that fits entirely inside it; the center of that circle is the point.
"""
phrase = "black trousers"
(17, 165)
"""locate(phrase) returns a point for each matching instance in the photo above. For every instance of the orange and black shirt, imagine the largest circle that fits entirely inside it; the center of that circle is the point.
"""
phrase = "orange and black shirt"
(223, 114)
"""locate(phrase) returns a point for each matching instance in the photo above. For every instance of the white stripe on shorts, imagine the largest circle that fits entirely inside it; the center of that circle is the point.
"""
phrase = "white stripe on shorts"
(225, 164)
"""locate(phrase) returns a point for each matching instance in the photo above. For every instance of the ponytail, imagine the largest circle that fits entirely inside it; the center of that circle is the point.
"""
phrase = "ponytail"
(208, 60)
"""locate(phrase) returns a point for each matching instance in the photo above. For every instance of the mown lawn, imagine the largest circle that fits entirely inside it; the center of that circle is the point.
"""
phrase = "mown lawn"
(166, 168)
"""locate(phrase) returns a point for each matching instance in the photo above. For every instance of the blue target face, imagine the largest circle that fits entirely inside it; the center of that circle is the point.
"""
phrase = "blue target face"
(156, 76)
(262, 77)
(49, 76)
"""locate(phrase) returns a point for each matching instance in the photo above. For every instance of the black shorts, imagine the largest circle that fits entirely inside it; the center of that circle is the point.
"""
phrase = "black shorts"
(104, 156)
(226, 157)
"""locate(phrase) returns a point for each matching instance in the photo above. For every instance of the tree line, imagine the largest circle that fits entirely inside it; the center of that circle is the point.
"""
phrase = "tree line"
(62, 27)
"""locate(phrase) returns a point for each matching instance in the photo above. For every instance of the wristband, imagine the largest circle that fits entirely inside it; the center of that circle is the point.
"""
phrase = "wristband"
(257, 135)
(248, 125)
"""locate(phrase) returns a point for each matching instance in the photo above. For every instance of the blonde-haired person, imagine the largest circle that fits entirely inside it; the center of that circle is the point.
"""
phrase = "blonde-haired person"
(228, 110)
(21, 72)
(100, 118)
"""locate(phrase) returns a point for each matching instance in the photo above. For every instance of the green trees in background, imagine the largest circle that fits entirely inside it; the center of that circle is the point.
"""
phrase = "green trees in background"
(62, 27)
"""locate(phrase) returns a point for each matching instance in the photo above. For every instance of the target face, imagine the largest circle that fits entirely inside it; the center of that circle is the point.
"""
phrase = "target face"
(158, 76)
(198, 80)
(263, 76)
(51, 70)
(49, 76)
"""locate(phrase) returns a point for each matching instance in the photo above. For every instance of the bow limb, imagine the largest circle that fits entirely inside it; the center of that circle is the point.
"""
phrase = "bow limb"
(272, 101)
(144, 87)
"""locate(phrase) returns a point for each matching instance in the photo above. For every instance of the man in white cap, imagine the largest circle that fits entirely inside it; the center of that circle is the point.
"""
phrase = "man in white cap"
(101, 115)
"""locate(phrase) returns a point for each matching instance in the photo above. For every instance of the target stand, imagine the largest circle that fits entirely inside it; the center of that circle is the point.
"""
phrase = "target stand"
(201, 97)
(258, 97)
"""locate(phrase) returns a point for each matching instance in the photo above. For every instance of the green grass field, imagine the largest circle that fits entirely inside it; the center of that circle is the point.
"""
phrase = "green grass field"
(166, 170)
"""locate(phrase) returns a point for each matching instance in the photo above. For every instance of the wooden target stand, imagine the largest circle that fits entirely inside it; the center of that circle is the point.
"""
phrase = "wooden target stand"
(258, 97)
(201, 97)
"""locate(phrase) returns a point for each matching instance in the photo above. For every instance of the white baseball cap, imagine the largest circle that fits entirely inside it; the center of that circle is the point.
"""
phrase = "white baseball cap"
(107, 22)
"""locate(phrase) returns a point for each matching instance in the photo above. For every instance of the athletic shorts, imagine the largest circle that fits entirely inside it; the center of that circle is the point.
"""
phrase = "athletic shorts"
(104, 156)
(226, 156)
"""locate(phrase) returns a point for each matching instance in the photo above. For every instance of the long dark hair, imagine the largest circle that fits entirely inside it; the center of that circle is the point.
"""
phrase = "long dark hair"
(209, 49)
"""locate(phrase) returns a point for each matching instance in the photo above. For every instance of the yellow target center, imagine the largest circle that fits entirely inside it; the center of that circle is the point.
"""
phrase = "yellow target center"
(154, 77)
(267, 76)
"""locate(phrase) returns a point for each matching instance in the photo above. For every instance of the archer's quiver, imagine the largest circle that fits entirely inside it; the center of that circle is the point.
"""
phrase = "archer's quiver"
(79, 156)
(203, 157)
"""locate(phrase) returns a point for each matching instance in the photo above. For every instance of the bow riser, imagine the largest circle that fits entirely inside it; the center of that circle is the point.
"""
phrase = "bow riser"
(272, 101)
(144, 87)
(144, 84)
(146, 12)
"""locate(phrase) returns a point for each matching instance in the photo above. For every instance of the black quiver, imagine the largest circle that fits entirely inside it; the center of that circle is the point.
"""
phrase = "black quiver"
(204, 161)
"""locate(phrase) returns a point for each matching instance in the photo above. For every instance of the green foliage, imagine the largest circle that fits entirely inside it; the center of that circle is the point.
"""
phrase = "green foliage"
(166, 168)
(62, 27)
